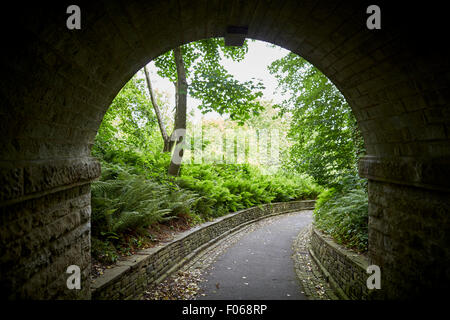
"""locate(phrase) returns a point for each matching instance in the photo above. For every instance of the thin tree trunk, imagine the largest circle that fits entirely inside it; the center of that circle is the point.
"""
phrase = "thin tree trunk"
(180, 114)
(168, 144)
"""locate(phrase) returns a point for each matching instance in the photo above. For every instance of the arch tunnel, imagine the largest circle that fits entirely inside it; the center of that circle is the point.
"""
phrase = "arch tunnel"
(57, 84)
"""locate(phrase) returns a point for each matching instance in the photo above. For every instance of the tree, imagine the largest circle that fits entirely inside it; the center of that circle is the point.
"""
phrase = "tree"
(195, 69)
(128, 124)
(166, 138)
(326, 140)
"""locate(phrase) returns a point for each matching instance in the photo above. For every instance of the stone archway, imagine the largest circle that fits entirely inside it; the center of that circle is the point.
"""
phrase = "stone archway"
(57, 84)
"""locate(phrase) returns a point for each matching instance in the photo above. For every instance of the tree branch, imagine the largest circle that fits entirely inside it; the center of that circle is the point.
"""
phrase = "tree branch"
(162, 127)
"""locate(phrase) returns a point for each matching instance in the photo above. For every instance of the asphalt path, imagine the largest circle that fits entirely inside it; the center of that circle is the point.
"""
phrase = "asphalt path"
(259, 266)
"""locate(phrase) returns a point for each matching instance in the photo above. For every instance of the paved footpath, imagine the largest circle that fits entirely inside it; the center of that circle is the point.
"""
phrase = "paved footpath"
(267, 259)
(260, 265)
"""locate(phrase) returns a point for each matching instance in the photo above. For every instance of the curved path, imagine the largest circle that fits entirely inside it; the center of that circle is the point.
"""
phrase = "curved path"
(259, 266)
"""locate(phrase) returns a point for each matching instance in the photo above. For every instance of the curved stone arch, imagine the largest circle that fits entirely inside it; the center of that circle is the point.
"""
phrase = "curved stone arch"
(58, 84)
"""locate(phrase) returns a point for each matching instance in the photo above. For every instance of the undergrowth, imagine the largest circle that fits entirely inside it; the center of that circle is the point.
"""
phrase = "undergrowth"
(128, 200)
(342, 212)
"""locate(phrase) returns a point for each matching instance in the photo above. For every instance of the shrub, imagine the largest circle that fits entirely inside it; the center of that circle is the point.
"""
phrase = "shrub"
(227, 188)
(344, 215)
(130, 198)
(126, 202)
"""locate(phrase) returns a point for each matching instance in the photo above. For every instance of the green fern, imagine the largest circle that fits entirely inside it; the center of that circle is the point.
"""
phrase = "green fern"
(344, 215)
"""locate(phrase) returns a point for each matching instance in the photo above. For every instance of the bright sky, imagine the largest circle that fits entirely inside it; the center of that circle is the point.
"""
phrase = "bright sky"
(260, 55)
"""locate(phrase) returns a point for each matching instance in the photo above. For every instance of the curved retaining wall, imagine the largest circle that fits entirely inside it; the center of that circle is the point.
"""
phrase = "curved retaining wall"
(129, 278)
(345, 270)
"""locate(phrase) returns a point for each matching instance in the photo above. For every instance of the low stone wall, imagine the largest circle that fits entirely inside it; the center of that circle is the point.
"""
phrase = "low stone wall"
(130, 277)
(345, 270)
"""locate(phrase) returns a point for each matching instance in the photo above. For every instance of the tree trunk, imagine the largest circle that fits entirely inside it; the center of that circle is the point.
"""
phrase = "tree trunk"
(180, 114)
(168, 143)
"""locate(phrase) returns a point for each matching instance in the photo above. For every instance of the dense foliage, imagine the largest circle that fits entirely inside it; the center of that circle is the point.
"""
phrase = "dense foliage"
(326, 143)
(326, 140)
(129, 123)
(135, 193)
(127, 200)
(343, 213)
(195, 70)
(318, 142)
(210, 82)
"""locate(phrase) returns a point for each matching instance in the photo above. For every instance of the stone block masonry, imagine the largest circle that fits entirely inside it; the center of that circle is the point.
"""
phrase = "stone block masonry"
(131, 276)
(345, 270)
(39, 239)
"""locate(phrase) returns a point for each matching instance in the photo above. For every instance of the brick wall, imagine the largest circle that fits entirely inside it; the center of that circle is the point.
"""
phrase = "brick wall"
(343, 268)
(39, 239)
(409, 237)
